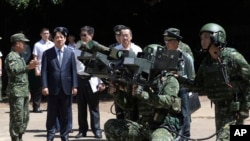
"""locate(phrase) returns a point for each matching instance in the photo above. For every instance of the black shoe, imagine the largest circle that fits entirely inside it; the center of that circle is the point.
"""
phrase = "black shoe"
(65, 139)
(37, 110)
(50, 138)
(71, 131)
(57, 130)
(98, 135)
(80, 134)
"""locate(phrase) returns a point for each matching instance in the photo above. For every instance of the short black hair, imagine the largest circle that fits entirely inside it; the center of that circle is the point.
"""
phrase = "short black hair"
(60, 29)
(44, 29)
(118, 28)
(89, 29)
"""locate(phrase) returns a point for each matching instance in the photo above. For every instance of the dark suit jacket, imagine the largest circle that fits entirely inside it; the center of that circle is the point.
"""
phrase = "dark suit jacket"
(55, 77)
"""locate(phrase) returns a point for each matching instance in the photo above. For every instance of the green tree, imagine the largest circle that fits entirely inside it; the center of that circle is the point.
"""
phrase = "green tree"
(24, 4)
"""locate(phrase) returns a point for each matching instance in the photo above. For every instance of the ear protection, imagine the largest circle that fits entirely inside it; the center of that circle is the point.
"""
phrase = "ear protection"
(219, 38)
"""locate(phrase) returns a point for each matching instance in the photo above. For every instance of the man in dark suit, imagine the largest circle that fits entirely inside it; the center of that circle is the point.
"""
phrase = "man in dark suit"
(59, 83)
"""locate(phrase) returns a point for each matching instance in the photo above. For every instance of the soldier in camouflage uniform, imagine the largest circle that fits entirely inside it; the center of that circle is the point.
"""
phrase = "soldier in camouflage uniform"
(186, 69)
(18, 86)
(157, 111)
(224, 76)
(182, 46)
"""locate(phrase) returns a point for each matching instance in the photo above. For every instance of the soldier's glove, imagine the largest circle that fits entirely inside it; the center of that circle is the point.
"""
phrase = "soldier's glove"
(144, 95)
(140, 93)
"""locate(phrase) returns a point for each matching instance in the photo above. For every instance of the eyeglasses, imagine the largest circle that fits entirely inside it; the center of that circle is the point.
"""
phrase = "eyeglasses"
(83, 35)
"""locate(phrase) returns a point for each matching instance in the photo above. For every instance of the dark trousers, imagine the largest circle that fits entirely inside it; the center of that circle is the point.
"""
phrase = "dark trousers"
(87, 99)
(36, 93)
(70, 119)
(58, 107)
(185, 117)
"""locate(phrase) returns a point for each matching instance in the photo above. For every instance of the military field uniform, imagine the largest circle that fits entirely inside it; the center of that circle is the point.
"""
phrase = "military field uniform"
(18, 93)
(227, 85)
(157, 112)
(185, 48)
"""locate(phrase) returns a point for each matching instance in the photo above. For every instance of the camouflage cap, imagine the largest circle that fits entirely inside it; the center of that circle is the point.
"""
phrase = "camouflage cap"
(118, 28)
(18, 37)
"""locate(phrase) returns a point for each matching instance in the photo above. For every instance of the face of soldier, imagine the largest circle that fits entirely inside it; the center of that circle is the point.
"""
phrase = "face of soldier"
(205, 40)
(59, 40)
(19, 46)
(171, 44)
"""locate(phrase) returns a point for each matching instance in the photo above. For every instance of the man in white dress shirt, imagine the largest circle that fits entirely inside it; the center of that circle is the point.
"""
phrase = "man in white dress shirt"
(39, 47)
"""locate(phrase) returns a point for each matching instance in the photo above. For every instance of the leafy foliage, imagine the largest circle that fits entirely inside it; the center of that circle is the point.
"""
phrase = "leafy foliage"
(57, 1)
(24, 4)
(19, 4)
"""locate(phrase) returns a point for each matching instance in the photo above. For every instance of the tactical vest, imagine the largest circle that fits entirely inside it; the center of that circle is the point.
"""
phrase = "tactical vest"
(215, 82)
(158, 116)
(217, 78)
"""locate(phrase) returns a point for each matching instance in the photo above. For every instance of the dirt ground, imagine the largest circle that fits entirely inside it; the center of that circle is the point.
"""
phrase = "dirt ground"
(202, 125)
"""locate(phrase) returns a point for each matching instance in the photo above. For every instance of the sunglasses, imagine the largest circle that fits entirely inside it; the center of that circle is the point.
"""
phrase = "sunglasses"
(83, 35)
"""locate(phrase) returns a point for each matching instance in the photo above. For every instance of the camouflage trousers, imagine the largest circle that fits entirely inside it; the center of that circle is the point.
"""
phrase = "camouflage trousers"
(224, 134)
(127, 130)
(224, 117)
(19, 117)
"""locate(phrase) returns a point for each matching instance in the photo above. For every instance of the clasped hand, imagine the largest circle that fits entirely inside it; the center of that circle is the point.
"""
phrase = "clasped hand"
(33, 64)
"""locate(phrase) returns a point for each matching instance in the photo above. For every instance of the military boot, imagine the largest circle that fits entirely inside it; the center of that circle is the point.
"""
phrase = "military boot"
(14, 138)
(20, 137)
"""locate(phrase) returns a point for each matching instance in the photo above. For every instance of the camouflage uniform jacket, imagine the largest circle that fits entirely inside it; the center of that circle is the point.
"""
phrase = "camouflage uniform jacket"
(186, 48)
(155, 107)
(221, 81)
(18, 84)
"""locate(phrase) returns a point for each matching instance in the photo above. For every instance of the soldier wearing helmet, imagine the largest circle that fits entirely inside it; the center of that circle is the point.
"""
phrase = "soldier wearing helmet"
(215, 33)
(223, 76)
(157, 106)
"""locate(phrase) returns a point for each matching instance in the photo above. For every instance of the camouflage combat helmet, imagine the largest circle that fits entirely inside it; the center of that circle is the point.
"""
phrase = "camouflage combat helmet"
(218, 34)
(152, 48)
